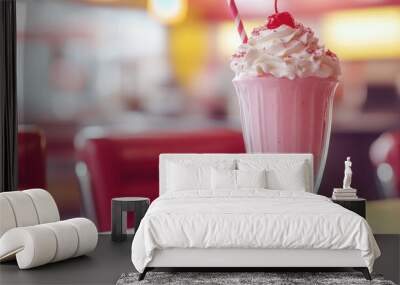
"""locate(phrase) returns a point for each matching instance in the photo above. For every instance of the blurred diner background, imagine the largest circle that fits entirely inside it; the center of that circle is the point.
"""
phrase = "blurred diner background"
(104, 86)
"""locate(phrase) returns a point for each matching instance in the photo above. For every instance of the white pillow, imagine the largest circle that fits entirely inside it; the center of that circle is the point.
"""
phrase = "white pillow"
(237, 179)
(181, 177)
(223, 179)
(251, 178)
(281, 174)
(193, 174)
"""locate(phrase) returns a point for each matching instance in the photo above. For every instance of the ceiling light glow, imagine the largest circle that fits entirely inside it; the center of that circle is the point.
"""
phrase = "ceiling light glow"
(168, 11)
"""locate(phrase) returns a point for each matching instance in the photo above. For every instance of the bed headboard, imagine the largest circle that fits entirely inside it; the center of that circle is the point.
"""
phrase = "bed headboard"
(295, 157)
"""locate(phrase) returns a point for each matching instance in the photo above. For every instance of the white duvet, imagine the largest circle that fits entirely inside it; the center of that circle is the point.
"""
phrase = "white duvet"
(250, 219)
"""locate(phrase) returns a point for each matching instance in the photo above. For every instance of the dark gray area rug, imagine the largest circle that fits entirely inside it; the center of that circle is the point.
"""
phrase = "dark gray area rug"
(269, 278)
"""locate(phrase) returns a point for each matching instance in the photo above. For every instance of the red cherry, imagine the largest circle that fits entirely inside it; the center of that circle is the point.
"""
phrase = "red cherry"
(273, 22)
(278, 19)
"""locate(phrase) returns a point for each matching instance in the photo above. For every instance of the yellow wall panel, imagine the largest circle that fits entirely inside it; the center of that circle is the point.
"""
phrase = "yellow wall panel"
(363, 34)
(188, 49)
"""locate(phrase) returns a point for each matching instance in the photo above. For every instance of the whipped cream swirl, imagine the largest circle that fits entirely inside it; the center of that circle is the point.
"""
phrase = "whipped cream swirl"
(284, 52)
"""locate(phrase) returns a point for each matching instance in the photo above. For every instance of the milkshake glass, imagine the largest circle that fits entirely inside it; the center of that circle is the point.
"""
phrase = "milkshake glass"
(279, 115)
(285, 84)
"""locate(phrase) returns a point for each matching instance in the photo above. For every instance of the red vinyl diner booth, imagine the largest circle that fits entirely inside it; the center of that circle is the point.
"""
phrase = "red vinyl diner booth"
(31, 158)
(127, 165)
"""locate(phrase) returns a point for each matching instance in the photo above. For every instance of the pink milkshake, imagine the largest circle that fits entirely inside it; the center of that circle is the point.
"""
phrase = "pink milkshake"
(285, 82)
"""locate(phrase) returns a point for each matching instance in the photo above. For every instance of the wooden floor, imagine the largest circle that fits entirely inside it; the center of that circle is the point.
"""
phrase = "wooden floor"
(110, 260)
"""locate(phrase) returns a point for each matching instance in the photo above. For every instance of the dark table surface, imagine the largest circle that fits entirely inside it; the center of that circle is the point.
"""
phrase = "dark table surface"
(110, 259)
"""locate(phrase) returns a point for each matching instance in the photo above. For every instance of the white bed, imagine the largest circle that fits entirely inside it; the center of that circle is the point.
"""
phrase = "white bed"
(288, 226)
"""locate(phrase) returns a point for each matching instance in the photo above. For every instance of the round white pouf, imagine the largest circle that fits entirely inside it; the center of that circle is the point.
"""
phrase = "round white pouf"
(33, 246)
(7, 218)
(23, 208)
(40, 244)
(87, 233)
(67, 240)
(45, 205)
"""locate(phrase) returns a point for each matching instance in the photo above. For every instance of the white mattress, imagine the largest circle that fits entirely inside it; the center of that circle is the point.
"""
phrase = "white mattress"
(253, 219)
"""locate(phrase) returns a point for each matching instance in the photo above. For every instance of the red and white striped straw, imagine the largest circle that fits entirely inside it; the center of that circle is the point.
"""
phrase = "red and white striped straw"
(238, 21)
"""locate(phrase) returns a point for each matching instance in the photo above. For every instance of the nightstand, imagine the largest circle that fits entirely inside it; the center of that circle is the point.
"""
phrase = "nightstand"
(119, 207)
(355, 205)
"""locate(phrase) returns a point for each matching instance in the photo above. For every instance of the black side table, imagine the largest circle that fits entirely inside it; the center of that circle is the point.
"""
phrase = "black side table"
(355, 205)
(119, 208)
